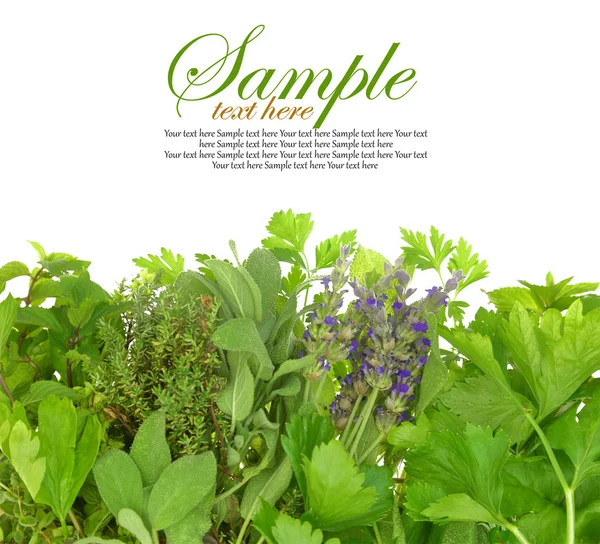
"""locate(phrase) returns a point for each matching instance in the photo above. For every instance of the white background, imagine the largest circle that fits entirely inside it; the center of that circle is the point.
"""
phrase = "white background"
(507, 91)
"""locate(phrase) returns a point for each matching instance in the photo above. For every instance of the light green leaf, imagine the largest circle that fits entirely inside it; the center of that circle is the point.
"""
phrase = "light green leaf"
(504, 299)
(181, 487)
(193, 285)
(192, 528)
(254, 290)
(237, 397)
(303, 435)
(168, 264)
(8, 313)
(42, 389)
(119, 482)
(13, 269)
(264, 268)
(39, 250)
(241, 335)
(290, 230)
(418, 252)
(328, 251)
(409, 435)
(578, 435)
(435, 372)
(556, 357)
(150, 450)
(289, 387)
(365, 262)
(294, 278)
(235, 289)
(25, 456)
(288, 529)
(268, 485)
(336, 494)
(481, 401)
(292, 365)
(544, 527)
(464, 259)
(134, 524)
(57, 420)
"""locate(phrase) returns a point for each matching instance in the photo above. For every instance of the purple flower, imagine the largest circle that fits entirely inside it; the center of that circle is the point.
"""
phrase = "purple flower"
(331, 321)
(326, 280)
(404, 374)
(431, 291)
(306, 334)
(370, 333)
(333, 407)
(371, 301)
(397, 305)
(420, 326)
(426, 342)
(357, 305)
(418, 379)
(353, 346)
(301, 354)
(422, 360)
(380, 370)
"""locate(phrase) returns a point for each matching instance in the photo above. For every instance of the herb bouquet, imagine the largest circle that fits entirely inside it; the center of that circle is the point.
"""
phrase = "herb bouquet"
(285, 400)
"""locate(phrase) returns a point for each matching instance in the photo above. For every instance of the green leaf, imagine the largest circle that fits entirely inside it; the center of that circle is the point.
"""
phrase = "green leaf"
(57, 421)
(481, 401)
(264, 268)
(25, 456)
(254, 290)
(504, 299)
(546, 526)
(587, 523)
(336, 494)
(268, 448)
(556, 357)
(292, 365)
(39, 250)
(150, 450)
(418, 253)
(8, 314)
(409, 435)
(192, 528)
(435, 372)
(41, 317)
(364, 263)
(328, 251)
(294, 278)
(119, 482)
(457, 532)
(235, 289)
(189, 479)
(45, 388)
(289, 387)
(237, 396)
(391, 528)
(303, 435)
(459, 507)
(289, 230)
(192, 284)
(530, 484)
(130, 520)
(47, 288)
(168, 264)
(379, 477)
(268, 485)
(463, 464)
(578, 435)
(241, 335)
(419, 495)
(464, 259)
(13, 269)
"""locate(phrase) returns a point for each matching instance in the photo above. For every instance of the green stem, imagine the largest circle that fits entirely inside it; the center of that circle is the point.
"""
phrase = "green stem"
(351, 420)
(371, 448)
(363, 424)
(358, 424)
(155, 538)
(262, 539)
(76, 523)
(570, 504)
(229, 491)
(307, 385)
(65, 529)
(320, 388)
(377, 535)
(243, 530)
(515, 531)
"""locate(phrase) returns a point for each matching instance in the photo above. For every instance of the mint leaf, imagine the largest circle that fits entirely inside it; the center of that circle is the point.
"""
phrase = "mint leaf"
(170, 265)
(422, 254)
(11, 270)
(328, 251)
(578, 435)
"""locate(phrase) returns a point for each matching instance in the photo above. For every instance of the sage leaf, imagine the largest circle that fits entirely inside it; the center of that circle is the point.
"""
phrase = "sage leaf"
(268, 485)
(150, 450)
(134, 524)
